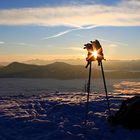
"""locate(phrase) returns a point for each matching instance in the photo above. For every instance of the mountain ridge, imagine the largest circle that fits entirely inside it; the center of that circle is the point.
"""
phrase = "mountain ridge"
(59, 70)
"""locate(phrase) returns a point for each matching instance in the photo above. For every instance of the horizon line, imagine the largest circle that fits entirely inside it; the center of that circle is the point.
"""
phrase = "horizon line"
(61, 60)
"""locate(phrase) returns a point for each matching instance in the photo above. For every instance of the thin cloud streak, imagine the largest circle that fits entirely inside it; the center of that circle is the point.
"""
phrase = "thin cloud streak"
(114, 42)
(68, 31)
(20, 44)
(16, 44)
(75, 49)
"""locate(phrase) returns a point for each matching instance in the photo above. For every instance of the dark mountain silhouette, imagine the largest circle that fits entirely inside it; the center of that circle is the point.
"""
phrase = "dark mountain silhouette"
(124, 65)
(15, 68)
(45, 62)
(1, 66)
(58, 70)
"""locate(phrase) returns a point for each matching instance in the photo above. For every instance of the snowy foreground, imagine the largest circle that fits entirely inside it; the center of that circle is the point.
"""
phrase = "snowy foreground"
(60, 116)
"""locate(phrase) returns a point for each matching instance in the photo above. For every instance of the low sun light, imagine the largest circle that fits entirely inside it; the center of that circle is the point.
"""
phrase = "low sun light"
(95, 54)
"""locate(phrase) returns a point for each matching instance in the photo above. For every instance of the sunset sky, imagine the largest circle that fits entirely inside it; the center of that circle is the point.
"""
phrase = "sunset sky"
(52, 29)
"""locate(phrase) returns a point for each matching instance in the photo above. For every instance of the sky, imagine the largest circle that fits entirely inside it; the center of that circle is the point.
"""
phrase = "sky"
(50, 29)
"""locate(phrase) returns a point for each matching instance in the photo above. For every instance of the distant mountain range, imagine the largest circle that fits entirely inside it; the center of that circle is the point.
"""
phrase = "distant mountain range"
(45, 62)
(61, 70)
(127, 65)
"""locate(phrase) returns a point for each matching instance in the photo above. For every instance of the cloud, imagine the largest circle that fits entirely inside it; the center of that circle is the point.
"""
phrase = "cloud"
(59, 34)
(113, 43)
(1, 42)
(127, 87)
(70, 30)
(19, 44)
(16, 43)
(74, 48)
(110, 43)
(126, 13)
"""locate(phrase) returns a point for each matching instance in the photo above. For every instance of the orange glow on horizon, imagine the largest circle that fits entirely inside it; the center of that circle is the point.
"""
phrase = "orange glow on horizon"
(82, 56)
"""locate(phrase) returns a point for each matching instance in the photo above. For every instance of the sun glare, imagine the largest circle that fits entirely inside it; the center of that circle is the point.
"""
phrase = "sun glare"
(95, 54)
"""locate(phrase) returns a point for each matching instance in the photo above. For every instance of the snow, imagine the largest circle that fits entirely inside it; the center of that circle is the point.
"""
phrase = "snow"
(45, 109)
(60, 116)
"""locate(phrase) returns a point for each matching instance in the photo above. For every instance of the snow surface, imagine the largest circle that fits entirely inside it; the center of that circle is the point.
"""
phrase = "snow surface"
(60, 116)
(33, 109)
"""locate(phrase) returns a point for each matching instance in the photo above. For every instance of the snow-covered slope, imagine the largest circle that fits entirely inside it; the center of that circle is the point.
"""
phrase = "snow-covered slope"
(60, 116)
